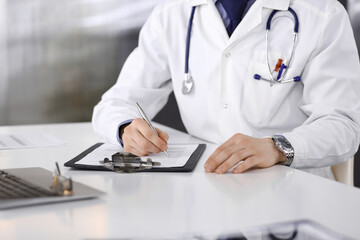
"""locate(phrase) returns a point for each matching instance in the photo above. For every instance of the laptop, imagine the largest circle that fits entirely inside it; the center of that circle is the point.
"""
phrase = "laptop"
(32, 186)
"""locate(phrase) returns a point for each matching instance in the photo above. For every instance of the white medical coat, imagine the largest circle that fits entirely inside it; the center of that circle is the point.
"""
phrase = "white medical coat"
(320, 116)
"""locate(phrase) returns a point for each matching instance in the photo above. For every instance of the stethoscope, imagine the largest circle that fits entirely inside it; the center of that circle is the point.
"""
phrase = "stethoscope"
(188, 83)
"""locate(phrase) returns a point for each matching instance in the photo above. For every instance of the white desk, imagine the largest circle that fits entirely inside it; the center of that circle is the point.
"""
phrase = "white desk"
(171, 204)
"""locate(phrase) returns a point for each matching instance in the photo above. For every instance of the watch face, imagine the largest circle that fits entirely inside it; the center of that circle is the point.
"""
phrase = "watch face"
(285, 144)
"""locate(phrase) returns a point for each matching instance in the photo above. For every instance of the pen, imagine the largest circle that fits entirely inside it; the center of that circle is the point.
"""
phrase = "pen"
(143, 115)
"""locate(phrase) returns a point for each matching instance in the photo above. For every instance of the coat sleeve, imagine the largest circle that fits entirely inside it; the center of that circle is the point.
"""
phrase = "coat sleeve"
(144, 78)
(331, 100)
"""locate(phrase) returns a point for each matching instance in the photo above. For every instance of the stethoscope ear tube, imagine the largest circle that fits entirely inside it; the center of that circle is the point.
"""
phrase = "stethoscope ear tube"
(296, 26)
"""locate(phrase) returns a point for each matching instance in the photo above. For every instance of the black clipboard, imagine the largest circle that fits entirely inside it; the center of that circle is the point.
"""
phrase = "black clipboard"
(188, 167)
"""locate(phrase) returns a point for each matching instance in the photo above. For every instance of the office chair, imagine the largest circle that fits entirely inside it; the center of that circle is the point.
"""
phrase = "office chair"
(344, 172)
(353, 8)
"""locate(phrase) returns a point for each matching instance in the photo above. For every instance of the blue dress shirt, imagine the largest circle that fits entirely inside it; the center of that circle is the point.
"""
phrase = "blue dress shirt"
(223, 13)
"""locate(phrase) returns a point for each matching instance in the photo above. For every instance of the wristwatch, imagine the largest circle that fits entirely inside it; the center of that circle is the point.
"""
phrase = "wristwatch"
(285, 147)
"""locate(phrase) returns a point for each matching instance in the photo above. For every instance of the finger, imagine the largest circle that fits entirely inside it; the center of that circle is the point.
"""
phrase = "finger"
(136, 152)
(132, 147)
(163, 135)
(152, 137)
(217, 159)
(133, 150)
(246, 165)
(132, 137)
(233, 160)
(143, 144)
(137, 140)
(230, 142)
(235, 138)
(209, 165)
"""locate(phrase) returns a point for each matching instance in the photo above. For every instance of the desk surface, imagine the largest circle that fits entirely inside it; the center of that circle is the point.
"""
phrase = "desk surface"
(171, 204)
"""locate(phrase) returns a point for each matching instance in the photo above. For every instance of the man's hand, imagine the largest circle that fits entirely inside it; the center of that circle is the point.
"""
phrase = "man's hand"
(141, 140)
(254, 152)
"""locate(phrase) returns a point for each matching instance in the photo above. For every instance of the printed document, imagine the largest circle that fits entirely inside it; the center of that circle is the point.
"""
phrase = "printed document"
(179, 154)
(35, 140)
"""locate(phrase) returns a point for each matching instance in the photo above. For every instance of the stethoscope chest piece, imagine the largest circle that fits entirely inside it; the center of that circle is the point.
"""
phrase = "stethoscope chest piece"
(188, 84)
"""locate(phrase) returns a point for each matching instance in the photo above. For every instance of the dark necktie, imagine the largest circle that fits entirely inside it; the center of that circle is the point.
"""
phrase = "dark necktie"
(235, 10)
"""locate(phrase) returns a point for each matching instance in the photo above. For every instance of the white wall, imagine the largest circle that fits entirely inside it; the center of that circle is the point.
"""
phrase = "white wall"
(3, 63)
(60, 56)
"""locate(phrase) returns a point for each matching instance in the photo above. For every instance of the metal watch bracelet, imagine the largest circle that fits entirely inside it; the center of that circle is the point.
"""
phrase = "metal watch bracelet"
(285, 147)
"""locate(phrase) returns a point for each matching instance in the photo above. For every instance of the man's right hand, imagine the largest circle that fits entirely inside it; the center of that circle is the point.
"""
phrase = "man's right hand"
(141, 140)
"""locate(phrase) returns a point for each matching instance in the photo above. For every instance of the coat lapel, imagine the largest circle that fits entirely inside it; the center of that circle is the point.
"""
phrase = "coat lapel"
(210, 18)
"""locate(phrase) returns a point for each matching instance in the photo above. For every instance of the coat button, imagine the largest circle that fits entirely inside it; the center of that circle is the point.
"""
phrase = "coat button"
(226, 106)
(227, 54)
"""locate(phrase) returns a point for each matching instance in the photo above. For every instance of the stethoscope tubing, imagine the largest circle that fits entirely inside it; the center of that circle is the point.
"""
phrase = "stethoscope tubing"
(280, 79)
(188, 82)
(296, 19)
(188, 36)
(285, 66)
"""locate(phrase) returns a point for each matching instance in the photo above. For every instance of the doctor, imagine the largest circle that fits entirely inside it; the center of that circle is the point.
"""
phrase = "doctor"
(242, 85)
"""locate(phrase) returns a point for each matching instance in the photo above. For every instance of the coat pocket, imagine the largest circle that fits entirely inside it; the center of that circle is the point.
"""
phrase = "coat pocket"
(267, 106)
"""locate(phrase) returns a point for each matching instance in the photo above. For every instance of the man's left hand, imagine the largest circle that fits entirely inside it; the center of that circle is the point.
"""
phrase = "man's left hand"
(251, 152)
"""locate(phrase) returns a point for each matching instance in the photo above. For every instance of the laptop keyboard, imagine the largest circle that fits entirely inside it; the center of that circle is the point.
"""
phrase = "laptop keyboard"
(12, 187)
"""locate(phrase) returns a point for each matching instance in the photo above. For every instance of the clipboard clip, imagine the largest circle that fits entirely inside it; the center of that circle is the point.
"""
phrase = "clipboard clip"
(127, 163)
